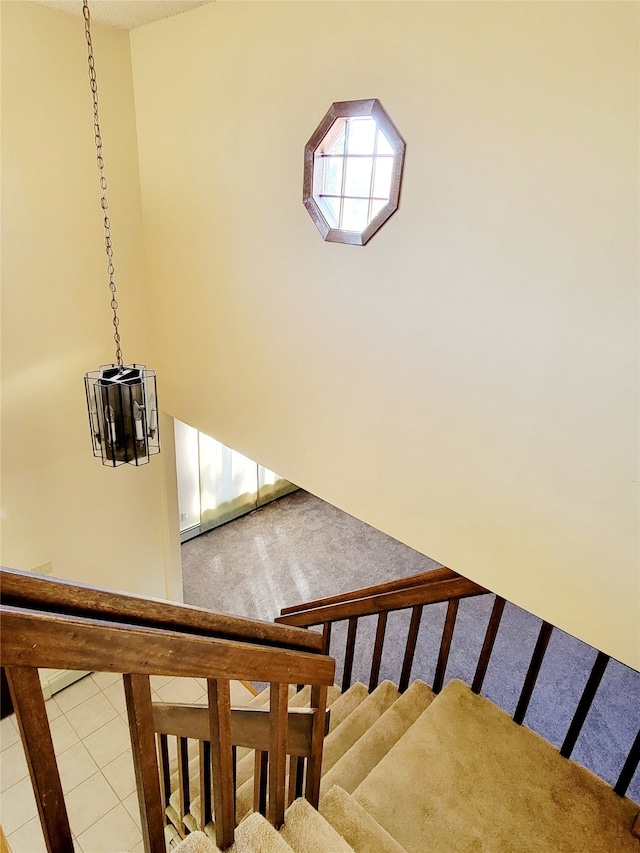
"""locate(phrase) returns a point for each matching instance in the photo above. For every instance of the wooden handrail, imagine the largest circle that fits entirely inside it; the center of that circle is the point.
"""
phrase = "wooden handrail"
(249, 726)
(34, 639)
(433, 576)
(23, 589)
(430, 592)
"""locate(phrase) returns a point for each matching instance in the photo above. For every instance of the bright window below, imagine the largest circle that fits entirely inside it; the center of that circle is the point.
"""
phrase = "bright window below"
(353, 166)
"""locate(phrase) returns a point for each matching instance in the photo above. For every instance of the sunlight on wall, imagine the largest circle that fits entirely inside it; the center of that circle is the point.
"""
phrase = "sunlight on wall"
(467, 382)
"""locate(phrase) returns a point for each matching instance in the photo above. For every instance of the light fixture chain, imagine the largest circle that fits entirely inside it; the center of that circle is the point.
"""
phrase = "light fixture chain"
(103, 181)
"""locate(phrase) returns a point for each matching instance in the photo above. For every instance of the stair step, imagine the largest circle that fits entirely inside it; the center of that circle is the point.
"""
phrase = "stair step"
(254, 835)
(306, 831)
(356, 724)
(245, 765)
(465, 777)
(355, 764)
(196, 842)
(355, 824)
(346, 703)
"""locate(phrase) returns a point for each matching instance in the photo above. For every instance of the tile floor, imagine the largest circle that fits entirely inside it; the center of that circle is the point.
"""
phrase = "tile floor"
(91, 738)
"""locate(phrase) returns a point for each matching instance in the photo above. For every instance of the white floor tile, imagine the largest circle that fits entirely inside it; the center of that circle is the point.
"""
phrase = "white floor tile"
(132, 805)
(186, 690)
(75, 765)
(91, 714)
(106, 679)
(13, 766)
(17, 806)
(64, 736)
(88, 803)
(121, 775)
(53, 709)
(115, 832)
(160, 680)
(8, 732)
(28, 839)
(108, 742)
(77, 693)
(115, 695)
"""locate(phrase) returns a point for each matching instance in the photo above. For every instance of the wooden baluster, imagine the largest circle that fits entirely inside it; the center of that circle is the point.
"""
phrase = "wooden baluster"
(588, 695)
(314, 761)
(348, 658)
(137, 691)
(164, 769)
(184, 800)
(28, 702)
(260, 782)
(629, 768)
(377, 650)
(533, 671)
(326, 637)
(278, 722)
(410, 650)
(445, 645)
(296, 770)
(205, 783)
(487, 646)
(221, 760)
(234, 760)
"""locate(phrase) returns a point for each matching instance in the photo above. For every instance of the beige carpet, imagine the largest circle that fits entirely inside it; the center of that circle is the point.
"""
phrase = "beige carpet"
(465, 777)
(457, 777)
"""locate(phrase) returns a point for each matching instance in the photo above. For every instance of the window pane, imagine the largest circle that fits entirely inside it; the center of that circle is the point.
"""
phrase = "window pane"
(376, 207)
(358, 180)
(332, 175)
(337, 146)
(355, 216)
(383, 144)
(382, 180)
(332, 211)
(362, 134)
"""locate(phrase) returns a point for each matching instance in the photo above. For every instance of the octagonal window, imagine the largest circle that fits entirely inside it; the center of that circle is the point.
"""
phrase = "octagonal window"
(352, 171)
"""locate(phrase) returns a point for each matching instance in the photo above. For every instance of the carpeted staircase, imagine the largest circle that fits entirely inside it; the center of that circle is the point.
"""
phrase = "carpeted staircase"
(418, 773)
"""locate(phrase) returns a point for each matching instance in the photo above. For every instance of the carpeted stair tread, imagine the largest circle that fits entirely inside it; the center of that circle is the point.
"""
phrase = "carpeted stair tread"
(355, 824)
(196, 842)
(245, 764)
(356, 724)
(306, 831)
(254, 835)
(346, 703)
(355, 764)
(465, 777)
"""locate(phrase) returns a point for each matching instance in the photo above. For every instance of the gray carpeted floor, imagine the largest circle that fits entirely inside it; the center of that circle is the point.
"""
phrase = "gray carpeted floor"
(300, 548)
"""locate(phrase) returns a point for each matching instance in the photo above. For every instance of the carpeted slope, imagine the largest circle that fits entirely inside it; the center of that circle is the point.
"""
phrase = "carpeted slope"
(465, 777)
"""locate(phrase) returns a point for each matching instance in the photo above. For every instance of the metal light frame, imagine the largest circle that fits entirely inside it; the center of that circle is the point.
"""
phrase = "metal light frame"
(121, 398)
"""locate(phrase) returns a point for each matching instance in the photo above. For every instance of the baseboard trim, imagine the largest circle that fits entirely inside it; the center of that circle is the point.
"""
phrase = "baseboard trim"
(55, 680)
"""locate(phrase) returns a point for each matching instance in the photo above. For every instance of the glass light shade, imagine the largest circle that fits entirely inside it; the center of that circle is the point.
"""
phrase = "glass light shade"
(123, 413)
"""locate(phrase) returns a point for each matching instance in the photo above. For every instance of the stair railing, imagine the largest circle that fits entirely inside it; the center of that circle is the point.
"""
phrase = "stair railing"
(414, 592)
(54, 624)
(419, 591)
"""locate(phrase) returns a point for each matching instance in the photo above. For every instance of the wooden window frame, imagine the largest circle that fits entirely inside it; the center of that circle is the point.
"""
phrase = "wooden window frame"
(353, 109)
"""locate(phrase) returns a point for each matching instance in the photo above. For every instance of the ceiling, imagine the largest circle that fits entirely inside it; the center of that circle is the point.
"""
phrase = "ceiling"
(127, 14)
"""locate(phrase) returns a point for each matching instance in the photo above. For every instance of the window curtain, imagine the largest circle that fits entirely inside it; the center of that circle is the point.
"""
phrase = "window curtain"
(227, 486)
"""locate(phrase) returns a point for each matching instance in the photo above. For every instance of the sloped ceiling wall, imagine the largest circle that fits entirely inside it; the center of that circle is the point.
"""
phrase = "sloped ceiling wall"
(468, 381)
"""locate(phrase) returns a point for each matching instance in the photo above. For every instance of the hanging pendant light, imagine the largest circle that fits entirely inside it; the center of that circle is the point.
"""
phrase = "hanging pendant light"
(121, 398)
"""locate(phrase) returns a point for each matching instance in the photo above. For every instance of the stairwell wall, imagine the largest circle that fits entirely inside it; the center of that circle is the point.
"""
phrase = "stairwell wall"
(468, 381)
(112, 528)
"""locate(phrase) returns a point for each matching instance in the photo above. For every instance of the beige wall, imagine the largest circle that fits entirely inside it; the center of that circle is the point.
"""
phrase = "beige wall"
(59, 504)
(468, 381)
